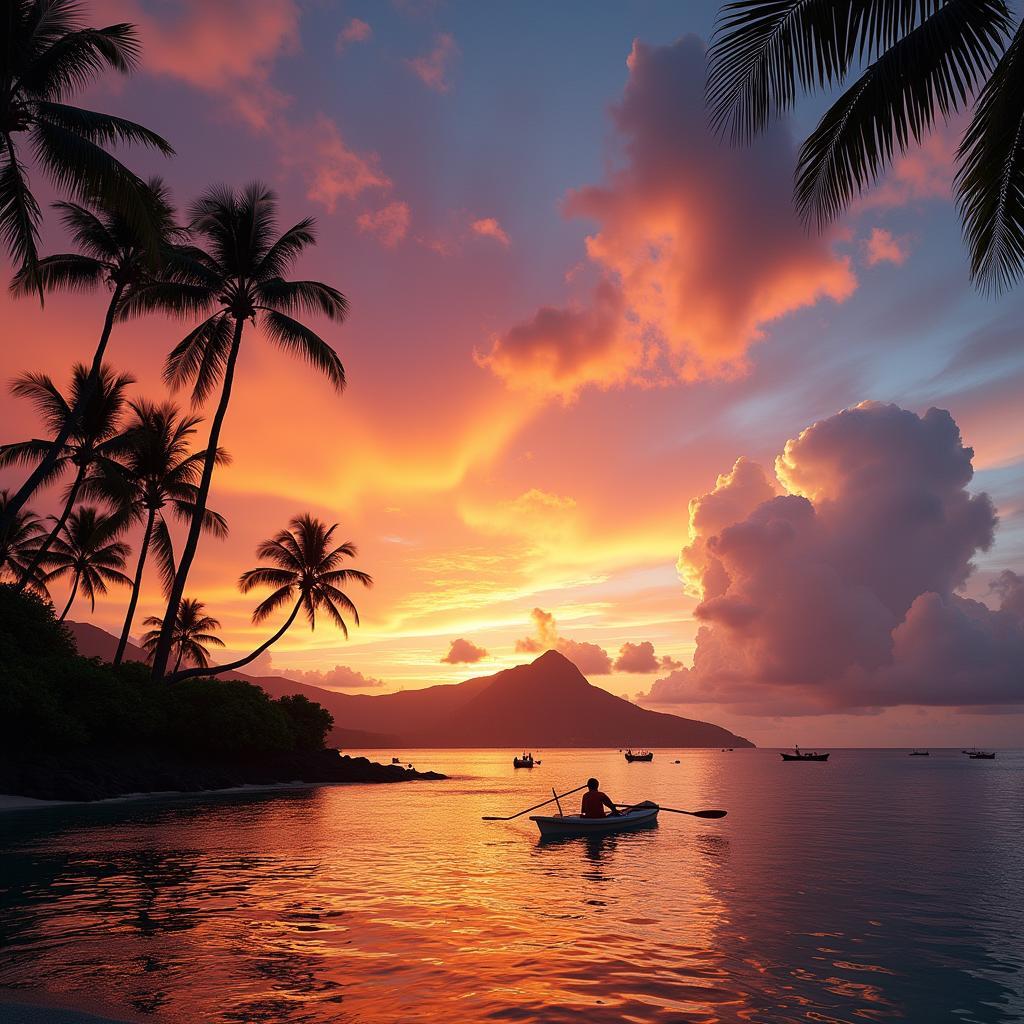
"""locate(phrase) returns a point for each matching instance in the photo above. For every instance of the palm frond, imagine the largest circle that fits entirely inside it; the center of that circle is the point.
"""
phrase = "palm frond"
(19, 211)
(266, 576)
(62, 272)
(101, 128)
(200, 355)
(303, 297)
(990, 180)
(287, 249)
(932, 70)
(49, 403)
(298, 339)
(76, 58)
(267, 607)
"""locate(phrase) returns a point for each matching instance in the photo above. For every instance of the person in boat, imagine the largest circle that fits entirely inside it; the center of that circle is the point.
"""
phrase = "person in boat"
(594, 802)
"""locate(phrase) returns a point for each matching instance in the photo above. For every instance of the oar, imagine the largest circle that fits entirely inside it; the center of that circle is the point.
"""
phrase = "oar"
(491, 817)
(675, 810)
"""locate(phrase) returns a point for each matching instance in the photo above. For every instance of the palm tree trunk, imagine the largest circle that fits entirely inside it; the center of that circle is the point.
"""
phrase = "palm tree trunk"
(231, 666)
(136, 587)
(31, 485)
(71, 599)
(45, 546)
(177, 661)
(163, 647)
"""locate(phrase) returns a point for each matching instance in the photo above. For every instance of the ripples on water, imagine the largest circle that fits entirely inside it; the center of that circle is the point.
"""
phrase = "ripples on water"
(875, 887)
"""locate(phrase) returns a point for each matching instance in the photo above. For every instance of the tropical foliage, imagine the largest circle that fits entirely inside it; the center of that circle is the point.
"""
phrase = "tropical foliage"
(912, 62)
(47, 56)
(236, 276)
(87, 552)
(18, 544)
(191, 637)
(307, 572)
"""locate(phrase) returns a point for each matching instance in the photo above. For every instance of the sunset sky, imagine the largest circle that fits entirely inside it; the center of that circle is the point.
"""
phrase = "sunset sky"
(572, 312)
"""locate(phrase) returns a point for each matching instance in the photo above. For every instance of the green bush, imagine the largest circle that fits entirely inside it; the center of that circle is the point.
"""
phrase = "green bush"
(52, 699)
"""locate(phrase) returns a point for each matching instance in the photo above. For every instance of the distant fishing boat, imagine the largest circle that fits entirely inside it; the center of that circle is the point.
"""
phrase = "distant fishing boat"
(801, 755)
(640, 755)
(982, 755)
(526, 761)
(396, 760)
(919, 753)
(559, 825)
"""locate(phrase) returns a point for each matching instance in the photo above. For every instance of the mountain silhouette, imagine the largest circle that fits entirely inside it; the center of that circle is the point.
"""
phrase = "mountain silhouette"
(547, 703)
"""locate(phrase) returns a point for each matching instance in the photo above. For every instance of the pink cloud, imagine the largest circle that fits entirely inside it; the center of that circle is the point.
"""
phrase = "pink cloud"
(390, 223)
(228, 47)
(488, 227)
(882, 247)
(924, 172)
(590, 659)
(697, 249)
(841, 592)
(641, 658)
(338, 678)
(432, 68)
(463, 652)
(356, 31)
(331, 169)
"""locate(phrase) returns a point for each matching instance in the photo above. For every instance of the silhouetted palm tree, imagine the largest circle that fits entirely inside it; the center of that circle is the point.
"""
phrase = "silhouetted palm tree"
(307, 570)
(93, 442)
(917, 59)
(191, 636)
(240, 277)
(18, 544)
(88, 551)
(46, 56)
(115, 254)
(155, 474)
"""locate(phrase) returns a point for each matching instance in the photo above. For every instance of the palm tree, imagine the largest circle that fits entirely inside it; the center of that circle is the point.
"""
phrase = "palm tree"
(47, 55)
(18, 543)
(113, 253)
(916, 59)
(88, 551)
(155, 475)
(238, 277)
(307, 571)
(191, 637)
(92, 443)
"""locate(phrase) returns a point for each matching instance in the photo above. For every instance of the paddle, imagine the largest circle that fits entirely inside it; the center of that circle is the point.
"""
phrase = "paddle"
(491, 817)
(674, 810)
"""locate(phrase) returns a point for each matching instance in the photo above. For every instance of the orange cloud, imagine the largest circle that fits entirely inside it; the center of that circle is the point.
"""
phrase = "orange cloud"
(698, 248)
(882, 247)
(640, 658)
(488, 227)
(356, 31)
(390, 224)
(463, 652)
(432, 68)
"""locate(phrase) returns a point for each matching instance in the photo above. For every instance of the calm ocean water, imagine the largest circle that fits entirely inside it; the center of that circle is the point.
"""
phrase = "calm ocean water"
(875, 887)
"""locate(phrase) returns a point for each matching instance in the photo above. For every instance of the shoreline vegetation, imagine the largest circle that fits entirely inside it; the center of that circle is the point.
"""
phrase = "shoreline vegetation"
(76, 729)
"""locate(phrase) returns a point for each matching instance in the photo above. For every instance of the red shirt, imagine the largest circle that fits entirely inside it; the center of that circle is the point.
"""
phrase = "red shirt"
(594, 803)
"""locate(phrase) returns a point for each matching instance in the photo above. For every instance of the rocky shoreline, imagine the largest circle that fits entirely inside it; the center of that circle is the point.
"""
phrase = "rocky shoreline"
(84, 775)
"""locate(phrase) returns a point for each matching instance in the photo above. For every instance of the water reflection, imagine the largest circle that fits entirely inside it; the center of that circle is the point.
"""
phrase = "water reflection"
(851, 895)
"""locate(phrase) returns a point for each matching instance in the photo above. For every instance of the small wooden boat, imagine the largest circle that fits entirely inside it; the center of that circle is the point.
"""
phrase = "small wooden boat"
(558, 825)
(982, 755)
(919, 753)
(801, 755)
(395, 760)
(640, 755)
(526, 761)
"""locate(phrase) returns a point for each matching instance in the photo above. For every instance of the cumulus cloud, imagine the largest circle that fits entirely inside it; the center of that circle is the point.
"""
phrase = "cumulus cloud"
(463, 652)
(432, 68)
(338, 678)
(882, 247)
(488, 227)
(356, 31)
(641, 658)
(590, 659)
(841, 591)
(697, 249)
(390, 224)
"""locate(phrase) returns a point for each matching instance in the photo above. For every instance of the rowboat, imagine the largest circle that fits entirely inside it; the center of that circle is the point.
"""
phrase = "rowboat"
(799, 755)
(526, 761)
(646, 755)
(920, 753)
(981, 755)
(557, 825)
